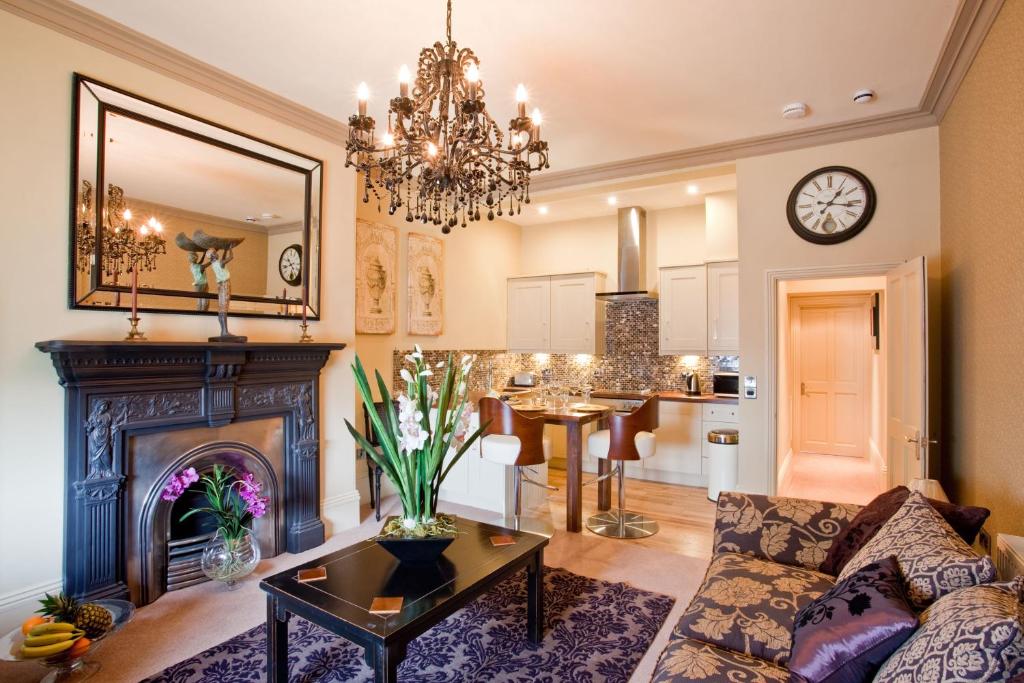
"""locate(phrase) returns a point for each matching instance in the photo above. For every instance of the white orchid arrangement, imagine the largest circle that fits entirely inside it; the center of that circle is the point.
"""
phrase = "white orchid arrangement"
(420, 443)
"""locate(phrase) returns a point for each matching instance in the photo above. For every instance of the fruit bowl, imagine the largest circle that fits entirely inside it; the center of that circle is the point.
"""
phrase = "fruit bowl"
(68, 666)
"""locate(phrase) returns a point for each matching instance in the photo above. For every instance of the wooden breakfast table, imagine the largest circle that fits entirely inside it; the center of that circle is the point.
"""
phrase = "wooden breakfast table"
(573, 422)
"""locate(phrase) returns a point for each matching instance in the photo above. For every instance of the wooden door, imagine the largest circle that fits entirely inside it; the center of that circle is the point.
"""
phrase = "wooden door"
(683, 311)
(724, 308)
(906, 320)
(529, 311)
(832, 350)
(572, 313)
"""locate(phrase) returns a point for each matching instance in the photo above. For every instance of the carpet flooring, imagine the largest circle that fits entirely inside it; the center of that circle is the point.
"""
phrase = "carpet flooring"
(594, 631)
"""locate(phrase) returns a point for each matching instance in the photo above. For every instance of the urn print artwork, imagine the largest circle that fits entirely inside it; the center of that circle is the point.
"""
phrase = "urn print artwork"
(426, 284)
(376, 277)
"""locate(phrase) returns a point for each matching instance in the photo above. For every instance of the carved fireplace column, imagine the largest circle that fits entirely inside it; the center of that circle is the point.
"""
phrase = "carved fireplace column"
(114, 389)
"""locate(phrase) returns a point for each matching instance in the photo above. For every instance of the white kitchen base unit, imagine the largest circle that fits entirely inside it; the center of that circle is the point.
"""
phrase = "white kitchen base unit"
(483, 484)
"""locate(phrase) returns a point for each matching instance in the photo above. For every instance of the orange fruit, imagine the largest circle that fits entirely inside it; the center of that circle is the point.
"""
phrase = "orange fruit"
(79, 648)
(30, 622)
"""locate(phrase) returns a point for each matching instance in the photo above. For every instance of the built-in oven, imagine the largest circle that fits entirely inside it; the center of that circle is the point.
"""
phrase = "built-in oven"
(726, 383)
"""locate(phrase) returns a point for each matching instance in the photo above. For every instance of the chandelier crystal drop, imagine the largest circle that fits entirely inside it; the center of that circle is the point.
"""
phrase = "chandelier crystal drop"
(442, 158)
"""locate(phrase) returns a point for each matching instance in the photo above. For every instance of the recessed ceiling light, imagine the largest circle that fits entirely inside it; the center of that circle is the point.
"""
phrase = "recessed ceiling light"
(692, 189)
(796, 110)
(542, 210)
(613, 200)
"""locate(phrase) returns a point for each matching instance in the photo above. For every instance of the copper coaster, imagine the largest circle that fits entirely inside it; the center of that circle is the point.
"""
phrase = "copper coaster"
(499, 541)
(314, 574)
(386, 606)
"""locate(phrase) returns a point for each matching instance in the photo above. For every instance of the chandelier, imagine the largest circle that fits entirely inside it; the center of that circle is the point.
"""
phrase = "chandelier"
(443, 158)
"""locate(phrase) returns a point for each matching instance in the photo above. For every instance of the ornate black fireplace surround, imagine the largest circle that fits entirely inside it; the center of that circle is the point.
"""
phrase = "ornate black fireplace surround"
(118, 389)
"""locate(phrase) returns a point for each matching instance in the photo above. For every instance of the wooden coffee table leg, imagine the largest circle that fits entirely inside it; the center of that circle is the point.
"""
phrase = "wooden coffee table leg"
(386, 659)
(535, 598)
(277, 642)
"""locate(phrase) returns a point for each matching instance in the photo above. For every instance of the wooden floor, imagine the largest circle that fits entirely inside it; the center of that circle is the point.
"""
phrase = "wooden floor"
(684, 513)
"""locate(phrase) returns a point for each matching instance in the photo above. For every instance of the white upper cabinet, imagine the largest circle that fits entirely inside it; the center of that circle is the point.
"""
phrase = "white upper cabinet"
(723, 308)
(529, 313)
(683, 311)
(556, 314)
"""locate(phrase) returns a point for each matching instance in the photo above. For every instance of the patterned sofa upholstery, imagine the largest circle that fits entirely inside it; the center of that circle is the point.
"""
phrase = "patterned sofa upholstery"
(764, 571)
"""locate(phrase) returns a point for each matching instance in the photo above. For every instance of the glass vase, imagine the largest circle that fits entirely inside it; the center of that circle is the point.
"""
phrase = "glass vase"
(228, 559)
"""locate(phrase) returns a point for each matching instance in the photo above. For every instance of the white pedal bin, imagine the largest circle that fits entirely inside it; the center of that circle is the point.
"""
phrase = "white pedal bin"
(723, 457)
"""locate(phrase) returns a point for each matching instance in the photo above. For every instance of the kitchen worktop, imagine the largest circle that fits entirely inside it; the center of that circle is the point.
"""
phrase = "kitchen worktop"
(679, 396)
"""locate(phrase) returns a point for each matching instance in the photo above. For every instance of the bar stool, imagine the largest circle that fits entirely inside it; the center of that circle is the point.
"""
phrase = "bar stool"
(629, 437)
(518, 441)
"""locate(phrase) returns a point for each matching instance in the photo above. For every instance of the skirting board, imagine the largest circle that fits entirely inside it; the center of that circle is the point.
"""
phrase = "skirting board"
(785, 475)
(883, 471)
(340, 512)
(18, 605)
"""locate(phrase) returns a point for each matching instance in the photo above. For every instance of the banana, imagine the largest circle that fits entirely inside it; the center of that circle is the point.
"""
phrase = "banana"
(51, 627)
(51, 638)
(47, 650)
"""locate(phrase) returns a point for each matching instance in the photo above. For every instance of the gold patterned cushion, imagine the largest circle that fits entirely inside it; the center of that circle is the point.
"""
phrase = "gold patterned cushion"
(973, 634)
(689, 660)
(932, 556)
(748, 605)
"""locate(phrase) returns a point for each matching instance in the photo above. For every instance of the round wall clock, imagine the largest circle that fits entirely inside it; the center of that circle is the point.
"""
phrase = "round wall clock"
(290, 265)
(831, 205)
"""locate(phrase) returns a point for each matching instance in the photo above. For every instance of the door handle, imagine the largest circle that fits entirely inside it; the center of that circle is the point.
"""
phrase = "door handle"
(920, 442)
(803, 389)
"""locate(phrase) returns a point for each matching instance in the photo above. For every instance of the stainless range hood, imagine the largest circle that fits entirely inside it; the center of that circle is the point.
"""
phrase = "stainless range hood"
(632, 257)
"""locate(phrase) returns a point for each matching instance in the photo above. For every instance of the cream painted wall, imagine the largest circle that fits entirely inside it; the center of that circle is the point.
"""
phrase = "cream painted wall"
(982, 156)
(674, 237)
(36, 120)
(904, 170)
(720, 232)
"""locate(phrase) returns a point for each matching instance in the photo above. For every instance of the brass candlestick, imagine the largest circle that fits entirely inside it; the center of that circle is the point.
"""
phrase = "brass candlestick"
(306, 337)
(135, 334)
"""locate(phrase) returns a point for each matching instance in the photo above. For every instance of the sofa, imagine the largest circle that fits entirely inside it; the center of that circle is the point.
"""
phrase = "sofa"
(765, 570)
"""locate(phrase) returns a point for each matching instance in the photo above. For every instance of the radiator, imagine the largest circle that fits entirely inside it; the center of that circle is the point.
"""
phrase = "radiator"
(1009, 556)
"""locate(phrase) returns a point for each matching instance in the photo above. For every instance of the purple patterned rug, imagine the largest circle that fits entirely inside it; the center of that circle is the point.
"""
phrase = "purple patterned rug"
(594, 631)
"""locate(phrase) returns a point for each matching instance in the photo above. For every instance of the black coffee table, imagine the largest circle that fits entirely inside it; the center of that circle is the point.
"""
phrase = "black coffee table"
(359, 573)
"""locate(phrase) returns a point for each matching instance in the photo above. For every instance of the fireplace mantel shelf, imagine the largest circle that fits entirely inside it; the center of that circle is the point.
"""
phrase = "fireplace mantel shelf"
(117, 390)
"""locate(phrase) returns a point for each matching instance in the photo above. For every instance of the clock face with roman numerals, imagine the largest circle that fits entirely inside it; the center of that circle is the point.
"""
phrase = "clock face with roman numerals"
(831, 205)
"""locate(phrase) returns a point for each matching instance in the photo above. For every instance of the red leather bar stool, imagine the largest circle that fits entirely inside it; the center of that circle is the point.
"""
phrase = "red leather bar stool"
(628, 437)
(518, 441)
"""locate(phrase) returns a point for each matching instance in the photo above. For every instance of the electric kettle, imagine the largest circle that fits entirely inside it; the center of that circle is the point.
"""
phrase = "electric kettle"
(692, 383)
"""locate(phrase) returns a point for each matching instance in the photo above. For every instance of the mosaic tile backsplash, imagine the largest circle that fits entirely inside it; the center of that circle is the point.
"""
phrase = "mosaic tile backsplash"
(630, 362)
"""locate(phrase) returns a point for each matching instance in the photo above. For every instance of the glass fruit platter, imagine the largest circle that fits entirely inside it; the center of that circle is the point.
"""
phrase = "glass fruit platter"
(69, 664)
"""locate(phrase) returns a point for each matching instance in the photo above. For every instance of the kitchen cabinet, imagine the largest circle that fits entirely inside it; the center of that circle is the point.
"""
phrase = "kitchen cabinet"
(556, 314)
(723, 308)
(529, 314)
(699, 310)
(716, 416)
(683, 311)
(677, 459)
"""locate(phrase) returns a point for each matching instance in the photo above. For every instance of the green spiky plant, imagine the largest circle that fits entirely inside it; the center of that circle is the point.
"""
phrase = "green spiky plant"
(422, 441)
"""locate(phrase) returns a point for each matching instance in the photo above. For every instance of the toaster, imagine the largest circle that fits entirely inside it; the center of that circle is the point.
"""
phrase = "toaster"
(524, 379)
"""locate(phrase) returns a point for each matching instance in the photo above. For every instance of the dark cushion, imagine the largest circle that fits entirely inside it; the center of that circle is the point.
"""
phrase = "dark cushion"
(973, 634)
(748, 605)
(966, 520)
(847, 634)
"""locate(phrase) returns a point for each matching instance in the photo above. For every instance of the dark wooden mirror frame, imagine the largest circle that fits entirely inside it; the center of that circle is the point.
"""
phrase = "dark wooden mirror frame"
(312, 169)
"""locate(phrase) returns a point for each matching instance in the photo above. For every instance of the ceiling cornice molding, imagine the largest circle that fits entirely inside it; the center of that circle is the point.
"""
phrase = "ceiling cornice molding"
(96, 30)
(971, 24)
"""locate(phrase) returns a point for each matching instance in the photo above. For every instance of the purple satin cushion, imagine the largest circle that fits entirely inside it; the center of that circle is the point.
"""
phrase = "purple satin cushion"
(847, 634)
(966, 520)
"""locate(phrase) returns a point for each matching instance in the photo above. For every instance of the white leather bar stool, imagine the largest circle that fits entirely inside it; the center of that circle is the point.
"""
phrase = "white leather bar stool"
(628, 437)
(517, 441)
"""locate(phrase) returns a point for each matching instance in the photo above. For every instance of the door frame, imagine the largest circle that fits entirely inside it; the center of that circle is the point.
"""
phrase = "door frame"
(772, 280)
(800, 301)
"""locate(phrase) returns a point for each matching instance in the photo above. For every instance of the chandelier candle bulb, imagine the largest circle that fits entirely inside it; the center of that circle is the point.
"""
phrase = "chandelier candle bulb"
(536, 117)
(362, 95)
(403, 81)
(472, 78)
(521, 100)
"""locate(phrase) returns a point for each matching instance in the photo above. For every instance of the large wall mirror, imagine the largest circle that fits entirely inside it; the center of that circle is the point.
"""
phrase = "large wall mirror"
(155, 189)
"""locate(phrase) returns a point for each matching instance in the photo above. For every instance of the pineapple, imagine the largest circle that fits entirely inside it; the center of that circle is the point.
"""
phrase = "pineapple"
(94, 619)
(61, 607)
(90, 617)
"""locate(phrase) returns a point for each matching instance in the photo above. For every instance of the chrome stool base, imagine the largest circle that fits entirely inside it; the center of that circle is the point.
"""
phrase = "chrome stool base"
(622, 524)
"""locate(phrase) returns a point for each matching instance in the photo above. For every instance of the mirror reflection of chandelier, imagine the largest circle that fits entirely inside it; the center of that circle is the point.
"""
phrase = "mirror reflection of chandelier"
(443, 158)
